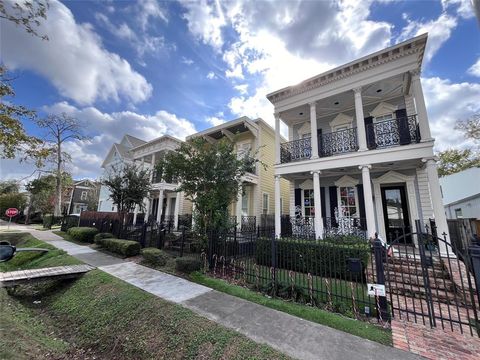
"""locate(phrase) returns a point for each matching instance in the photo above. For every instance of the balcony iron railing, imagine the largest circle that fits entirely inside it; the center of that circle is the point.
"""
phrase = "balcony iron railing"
(295, 150)
(399, 131)
(338, 142)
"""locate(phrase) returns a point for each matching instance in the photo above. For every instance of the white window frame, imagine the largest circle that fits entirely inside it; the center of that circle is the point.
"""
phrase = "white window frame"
(346, 182)
(341, 122)
(457, 212)
(303, 202)
(241, 150)
(305, 131)
(383, 112)
(84, 195)
(265, 210)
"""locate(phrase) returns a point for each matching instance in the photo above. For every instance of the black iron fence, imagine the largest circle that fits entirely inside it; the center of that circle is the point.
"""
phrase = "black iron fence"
(338, 142)
(331, 273)
(399, 131)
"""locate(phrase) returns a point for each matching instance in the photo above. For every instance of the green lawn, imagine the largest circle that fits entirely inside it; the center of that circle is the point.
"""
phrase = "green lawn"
(103, 317)
(336, 321)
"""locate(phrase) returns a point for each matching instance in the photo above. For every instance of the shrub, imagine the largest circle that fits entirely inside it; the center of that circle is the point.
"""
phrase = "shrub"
(100, 236)
(187, 265)
(155, 256)
(83, 234)
(50, 220)
(122, 247)
(327, 257)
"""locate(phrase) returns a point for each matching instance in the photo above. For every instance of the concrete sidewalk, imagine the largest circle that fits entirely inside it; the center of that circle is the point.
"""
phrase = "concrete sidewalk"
(293, 336)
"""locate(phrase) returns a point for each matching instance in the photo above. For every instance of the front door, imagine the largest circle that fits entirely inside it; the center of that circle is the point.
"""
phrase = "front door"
(395, 212)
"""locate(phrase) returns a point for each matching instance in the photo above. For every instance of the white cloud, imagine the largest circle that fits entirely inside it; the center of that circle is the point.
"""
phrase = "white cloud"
(214, 121)
(205, 22)
(73, 60)
(149, 9)
(187, 61)
(88, 155)
(448, 102)
(439, 31)
(211, 75)
(464, 8)
(475, 69)
(277, 45)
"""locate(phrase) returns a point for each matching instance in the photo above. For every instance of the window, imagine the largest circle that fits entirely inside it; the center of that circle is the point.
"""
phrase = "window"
(265, 204)
(308, 203)
(306, 136)
(83, 196)
(385, 117)
(245, 203)
(348, 201)
(458, 213)
(243, 149)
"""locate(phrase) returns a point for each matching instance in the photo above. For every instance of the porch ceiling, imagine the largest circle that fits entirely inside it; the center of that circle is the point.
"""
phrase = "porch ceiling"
(372, 93)
(354, 170)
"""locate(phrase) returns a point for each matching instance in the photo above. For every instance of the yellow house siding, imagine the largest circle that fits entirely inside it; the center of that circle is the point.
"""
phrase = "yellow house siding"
(267, 176)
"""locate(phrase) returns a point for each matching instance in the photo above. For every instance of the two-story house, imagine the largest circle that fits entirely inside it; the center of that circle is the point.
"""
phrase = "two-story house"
(359, 151)
(255, 202)
(163, 200)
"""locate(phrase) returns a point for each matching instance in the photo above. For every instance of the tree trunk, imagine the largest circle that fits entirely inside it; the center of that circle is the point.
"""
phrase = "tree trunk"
(58, 189)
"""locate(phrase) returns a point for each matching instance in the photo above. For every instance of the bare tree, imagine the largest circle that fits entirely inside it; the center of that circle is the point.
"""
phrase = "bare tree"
(58, 129)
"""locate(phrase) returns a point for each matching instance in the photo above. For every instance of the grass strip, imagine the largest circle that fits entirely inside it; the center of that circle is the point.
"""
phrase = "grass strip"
(336, 321)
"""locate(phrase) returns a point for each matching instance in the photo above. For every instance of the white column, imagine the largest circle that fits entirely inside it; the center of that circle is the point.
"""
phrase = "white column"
(278, 224)
(146, 202)
(313, 130)
(177, 210)
(238, 208)
(361, 133)
(368, 200)
(160, 205)
(135, 213)
(277, 138)
(152, 170)
(438, 209)
(422, 115)
(318, 221)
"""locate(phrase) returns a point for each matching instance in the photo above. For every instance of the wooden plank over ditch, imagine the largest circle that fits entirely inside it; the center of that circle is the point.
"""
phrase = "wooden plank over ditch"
(20, 277)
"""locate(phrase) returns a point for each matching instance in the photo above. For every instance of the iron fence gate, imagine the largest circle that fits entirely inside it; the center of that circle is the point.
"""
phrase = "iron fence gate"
(427, 283)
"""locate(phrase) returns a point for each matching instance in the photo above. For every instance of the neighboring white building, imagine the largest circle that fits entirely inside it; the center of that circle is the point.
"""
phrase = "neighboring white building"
(461, 194)
(163, 200)
(371, 153)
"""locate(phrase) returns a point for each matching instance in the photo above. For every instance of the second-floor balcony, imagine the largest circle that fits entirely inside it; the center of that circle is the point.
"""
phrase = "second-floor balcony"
(399, 131)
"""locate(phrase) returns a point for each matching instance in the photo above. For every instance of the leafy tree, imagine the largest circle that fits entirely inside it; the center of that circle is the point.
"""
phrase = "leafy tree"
(13, 138)
(92, 197)
(470, 127)
(209, 175)
(27, 14)
(58, 129)
(452, 161)
(9, 187)
(12, 200)
(129, 184)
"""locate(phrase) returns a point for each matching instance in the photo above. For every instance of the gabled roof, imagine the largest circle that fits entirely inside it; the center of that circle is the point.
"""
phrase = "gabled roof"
(134, 141)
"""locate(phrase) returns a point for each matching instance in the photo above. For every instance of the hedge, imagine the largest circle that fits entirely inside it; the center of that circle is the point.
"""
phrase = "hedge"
(100, 236)
(155, 256)
(83, 234)
(187, 265)
(327, 257)
(50, 220)
(123, 247)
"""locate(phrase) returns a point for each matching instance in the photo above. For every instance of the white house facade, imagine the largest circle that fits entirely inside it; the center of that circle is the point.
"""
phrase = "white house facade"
(359, 150)
(163, 201)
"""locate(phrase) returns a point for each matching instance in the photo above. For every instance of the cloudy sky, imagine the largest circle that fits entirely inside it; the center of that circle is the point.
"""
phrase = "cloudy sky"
(149, 68)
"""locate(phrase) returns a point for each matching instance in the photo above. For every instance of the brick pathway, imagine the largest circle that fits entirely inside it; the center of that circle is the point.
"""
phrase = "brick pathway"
(434, 343)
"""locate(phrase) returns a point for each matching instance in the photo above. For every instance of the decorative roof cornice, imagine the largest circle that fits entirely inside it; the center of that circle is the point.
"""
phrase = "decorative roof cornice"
(413, 46)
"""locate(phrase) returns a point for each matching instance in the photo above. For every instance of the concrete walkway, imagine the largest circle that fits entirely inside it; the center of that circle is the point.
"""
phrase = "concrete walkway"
(293, 336)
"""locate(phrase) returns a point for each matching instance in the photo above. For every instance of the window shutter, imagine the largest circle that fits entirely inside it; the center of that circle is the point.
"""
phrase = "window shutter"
(371, 144)
(298, 202)
(322, 203)
(333, 203)
(403, 129)
(361, 203)
(320, 142)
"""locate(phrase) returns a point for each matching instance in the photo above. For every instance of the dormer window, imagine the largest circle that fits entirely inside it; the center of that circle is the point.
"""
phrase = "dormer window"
(383, 112)
(341, 122)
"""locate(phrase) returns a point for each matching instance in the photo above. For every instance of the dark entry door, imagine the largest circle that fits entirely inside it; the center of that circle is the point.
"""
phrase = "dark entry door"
(395, 212)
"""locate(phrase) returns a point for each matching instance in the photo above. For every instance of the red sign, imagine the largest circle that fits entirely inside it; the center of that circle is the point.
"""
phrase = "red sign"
(11, 212)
